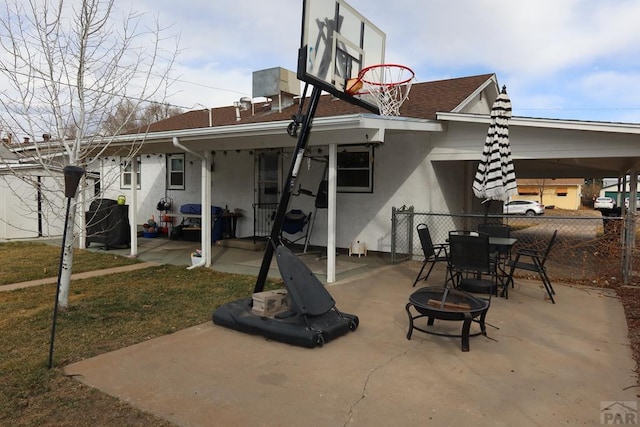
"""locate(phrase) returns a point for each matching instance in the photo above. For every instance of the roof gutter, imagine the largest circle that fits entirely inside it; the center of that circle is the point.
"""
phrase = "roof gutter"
(564, 124)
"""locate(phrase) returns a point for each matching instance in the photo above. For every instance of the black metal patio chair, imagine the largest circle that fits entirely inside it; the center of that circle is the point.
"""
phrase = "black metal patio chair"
(471, 263)
(433, 253)
(536, 263)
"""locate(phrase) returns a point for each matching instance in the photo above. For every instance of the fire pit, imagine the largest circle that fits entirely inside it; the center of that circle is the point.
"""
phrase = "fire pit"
(447, 304)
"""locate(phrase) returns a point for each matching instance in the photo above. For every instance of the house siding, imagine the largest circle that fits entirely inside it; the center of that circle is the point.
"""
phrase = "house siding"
(18, 212)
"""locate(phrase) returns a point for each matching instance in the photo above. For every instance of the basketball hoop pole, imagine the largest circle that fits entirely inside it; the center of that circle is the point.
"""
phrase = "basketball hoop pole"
(290, 182)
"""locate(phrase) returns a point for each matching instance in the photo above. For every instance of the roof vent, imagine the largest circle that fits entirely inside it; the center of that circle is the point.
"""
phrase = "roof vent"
(245, 103)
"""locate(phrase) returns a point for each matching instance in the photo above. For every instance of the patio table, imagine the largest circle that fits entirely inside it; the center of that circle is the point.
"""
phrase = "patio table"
(502, 245)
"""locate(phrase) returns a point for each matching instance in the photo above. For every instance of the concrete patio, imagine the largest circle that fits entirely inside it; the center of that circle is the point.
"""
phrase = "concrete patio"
(541, 364)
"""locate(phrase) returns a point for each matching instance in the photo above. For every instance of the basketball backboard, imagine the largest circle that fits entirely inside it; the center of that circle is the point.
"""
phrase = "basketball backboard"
(337, 42)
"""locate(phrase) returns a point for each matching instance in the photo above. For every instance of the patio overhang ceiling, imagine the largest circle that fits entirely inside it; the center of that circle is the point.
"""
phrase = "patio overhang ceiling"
(551, 148)
(343, 130)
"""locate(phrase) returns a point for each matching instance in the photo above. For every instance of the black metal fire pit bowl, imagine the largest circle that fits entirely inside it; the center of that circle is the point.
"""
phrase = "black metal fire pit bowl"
(450, 305)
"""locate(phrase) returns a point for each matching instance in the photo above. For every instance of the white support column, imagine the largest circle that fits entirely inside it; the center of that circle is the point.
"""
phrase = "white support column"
(332, 178)
(207, 219)
(133, 208)
(81, 220)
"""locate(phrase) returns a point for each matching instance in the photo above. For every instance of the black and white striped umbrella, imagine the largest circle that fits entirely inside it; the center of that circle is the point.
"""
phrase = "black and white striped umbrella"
(496, 177)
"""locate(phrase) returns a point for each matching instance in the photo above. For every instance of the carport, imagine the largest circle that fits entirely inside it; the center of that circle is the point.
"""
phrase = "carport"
(553, 148)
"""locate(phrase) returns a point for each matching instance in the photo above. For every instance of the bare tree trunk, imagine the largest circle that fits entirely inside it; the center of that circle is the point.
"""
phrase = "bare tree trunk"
(67, 260)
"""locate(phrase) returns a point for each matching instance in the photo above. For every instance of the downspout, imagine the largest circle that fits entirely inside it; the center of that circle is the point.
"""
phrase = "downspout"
(206, 212)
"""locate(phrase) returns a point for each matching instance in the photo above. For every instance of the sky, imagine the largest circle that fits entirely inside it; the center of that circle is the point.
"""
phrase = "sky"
(565, 59)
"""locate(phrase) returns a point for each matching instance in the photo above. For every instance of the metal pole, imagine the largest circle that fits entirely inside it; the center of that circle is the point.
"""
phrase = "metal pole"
(289, 184)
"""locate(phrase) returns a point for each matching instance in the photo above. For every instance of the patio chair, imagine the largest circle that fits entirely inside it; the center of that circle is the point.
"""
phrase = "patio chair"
(536, 263)
(502, 254)
(295, 222)
(433, 253)
(469, 260)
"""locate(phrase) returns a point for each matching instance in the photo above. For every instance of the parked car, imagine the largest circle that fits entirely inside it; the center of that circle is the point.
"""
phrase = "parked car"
(604, 203)
(523, 207)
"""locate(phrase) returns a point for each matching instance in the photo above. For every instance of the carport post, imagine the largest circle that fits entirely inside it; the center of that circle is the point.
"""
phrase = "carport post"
(629, 240)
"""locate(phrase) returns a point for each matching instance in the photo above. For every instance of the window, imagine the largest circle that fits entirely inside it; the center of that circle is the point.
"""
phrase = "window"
(561, 191)
(528, 190)
(175, 171)
(126, 172)
(267, 176)
(355, 169)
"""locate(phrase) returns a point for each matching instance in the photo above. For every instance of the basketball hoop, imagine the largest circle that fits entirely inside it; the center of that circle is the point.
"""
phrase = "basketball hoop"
(389, 84)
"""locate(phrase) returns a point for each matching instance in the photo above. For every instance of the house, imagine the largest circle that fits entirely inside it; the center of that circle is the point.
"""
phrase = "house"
(30, 205)
(381, 161)
(563, 193)
(614, 188)
(235, 157)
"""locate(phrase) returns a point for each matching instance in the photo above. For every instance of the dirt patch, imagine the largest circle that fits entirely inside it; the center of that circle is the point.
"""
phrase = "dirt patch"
(630, 298)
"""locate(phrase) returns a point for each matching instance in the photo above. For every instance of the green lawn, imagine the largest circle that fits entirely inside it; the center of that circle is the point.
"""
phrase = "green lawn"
(105, 314)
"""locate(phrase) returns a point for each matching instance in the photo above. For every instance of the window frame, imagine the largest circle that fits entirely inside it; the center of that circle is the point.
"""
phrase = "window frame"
(359, 148)
(126, 173)
(171, 171)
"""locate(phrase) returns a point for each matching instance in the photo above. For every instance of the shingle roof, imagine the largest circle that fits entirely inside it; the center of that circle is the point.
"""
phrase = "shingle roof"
(425, 100)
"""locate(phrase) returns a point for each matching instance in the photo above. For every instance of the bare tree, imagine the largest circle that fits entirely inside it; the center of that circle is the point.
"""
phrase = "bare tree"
(127, 118)
(541, 183)
(67, 65)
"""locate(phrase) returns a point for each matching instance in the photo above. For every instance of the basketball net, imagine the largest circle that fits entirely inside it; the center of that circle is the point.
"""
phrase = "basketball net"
(389, 84)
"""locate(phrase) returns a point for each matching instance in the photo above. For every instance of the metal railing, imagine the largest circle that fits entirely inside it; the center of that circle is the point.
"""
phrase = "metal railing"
(588, 248)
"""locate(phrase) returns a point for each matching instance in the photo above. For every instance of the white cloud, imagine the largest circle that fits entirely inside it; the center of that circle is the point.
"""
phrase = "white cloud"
(566, 59)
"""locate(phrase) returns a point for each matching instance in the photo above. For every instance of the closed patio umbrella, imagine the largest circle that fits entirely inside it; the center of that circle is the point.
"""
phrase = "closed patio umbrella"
(496, 178)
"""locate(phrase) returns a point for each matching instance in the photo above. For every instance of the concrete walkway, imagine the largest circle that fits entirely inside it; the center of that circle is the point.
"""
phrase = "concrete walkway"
(547, 364)
(78, 276)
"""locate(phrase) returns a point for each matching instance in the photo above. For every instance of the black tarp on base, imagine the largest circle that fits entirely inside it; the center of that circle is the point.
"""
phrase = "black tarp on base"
(293, 330)
(312, 320)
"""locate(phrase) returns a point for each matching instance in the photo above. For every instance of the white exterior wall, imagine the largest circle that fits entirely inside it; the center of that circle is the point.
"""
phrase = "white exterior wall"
(17, 219)
(19, 207)
(403, 175)
(232, 186)
(429, 170)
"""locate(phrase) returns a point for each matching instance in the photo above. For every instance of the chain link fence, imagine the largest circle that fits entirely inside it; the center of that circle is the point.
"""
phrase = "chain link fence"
(589, 246)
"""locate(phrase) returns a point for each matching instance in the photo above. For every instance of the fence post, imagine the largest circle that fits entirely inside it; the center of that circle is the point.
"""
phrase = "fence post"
(411, 226)
(393, 234)
(396, 222)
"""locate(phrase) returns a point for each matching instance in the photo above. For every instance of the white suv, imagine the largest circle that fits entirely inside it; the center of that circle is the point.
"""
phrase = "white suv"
(523, 207)
(604, 203)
